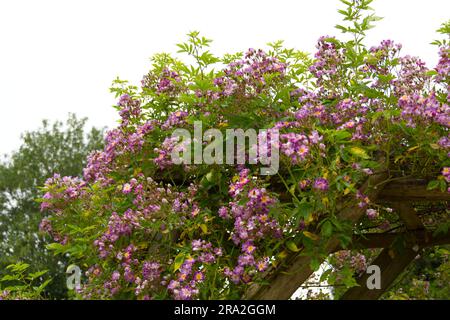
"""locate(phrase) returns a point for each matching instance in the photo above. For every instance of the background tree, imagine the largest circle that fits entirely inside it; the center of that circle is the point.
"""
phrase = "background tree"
(56, 147)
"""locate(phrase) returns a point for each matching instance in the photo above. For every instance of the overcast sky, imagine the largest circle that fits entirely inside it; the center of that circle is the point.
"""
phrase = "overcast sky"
(61, 56)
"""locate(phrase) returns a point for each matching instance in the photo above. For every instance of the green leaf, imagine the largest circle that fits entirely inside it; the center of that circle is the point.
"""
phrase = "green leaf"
(311, 235)
(204, 228)
(350, 282)
(314, 264)
(345, 240)
(36, 275)
(433, 184)
(342, 28)
(179, 259)
(304, 209)
(292, 246)
(42, 286)
(9, 277)
(359, 152)
(342, 135)
(56, 247)
(18, 267)
(443, 185)
(325, 274)
(327, 229)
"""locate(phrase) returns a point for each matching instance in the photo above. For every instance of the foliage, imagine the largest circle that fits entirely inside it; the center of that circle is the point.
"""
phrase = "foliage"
(426, 278)
(20, 284)
(54, 147)
(144, 227)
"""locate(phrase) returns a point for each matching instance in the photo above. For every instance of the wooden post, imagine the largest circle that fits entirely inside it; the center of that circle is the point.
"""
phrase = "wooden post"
(391, 266)
(390, 262)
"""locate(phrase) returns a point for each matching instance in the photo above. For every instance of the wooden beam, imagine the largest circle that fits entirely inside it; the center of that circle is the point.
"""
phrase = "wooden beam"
(409, 190)
(421, 238)
(408, 214)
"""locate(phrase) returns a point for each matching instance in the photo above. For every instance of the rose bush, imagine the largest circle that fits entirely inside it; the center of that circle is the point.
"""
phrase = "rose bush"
(146, 228)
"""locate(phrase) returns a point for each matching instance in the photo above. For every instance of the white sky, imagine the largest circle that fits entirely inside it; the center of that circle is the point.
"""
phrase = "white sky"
(59, 56)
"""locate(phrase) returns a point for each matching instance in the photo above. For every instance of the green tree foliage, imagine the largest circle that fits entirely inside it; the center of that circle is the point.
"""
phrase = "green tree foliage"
(54, 147)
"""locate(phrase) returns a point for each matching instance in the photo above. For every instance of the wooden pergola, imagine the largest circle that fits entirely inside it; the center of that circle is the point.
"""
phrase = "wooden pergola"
(401, 194)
